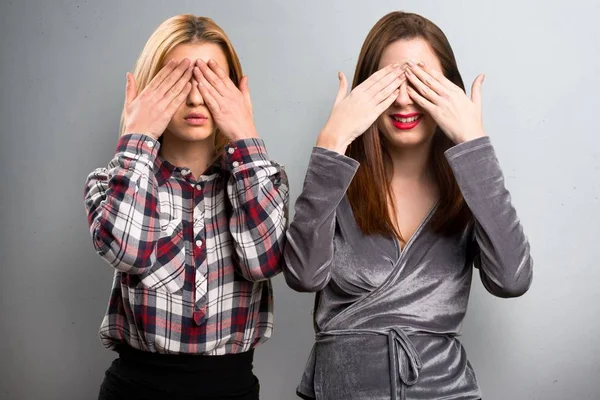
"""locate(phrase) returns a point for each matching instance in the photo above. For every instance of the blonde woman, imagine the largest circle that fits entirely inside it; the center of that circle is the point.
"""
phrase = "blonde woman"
(191, 214)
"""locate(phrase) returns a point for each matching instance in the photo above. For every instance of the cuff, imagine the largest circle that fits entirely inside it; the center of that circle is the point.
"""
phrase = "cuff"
(244, 152)
(137, 145)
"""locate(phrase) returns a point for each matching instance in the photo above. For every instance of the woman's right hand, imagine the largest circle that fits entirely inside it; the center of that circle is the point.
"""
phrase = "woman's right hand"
(151, 111)
(354, 113)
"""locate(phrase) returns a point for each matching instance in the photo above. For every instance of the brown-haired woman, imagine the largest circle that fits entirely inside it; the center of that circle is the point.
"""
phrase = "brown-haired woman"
(191, 213)
(403, 195)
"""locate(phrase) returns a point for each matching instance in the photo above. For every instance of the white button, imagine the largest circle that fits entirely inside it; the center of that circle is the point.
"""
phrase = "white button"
(236, 164)
(231, 150)
(199, 243)
(185, 172)
(150, 144)
(199, 187)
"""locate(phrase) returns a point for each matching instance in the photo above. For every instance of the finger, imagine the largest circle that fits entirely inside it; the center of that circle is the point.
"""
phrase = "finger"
(221, 73)
(202, 81)
(384, 82)
(425, 77)
(440, 77)
(178, 86)
(383, 94)
(246, 91)
(476, 89)
(420, 100)
(162, 75)
(343, 88)
(392, 68)
(209, 94)
(179, 99)
(212, 78)
(130, 89)
(421, 87)
(172, 79)
(387, 102)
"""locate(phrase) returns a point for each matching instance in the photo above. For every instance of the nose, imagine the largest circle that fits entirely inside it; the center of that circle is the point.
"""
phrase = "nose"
(403, 99)
(194, 99)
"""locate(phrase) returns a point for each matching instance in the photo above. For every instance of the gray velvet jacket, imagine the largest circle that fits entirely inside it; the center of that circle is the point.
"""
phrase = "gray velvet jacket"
(386, 320)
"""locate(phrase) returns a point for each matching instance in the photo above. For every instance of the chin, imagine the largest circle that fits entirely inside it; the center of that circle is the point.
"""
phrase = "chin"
(406, 142)
(406, 139)
(192, 134)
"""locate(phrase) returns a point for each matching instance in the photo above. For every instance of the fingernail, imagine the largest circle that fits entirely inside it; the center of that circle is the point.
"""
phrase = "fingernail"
(410, 63)
(420, 64)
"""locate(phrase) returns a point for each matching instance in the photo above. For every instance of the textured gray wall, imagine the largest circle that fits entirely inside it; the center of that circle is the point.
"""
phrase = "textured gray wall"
(62, 82)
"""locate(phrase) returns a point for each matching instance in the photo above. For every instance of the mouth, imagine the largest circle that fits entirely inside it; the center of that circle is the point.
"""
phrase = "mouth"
(196, 119)
(406, 122)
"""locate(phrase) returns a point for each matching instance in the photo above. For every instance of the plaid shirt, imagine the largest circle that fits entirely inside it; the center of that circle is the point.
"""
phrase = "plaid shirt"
(192, 257)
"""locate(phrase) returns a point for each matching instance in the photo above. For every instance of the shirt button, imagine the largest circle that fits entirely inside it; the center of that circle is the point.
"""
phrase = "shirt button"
(231, 150)
(185, 172)
(199, 243)
(236, 164)
(199, 186)
(150, 143)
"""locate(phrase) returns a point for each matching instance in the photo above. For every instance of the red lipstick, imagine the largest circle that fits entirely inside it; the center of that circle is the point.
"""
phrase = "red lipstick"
(406, 122)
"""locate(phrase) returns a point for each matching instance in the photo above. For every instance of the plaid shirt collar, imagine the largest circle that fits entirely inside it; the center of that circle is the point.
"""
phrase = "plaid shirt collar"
(165, 170)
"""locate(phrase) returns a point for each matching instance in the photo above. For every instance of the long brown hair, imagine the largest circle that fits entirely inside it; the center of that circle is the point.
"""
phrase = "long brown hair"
(370, 193)
(181, 29)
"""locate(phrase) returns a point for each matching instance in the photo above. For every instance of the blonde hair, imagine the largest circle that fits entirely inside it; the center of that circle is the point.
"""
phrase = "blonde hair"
(182, 29)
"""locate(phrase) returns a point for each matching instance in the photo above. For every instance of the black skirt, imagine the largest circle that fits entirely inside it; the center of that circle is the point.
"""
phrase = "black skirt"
(143, 375)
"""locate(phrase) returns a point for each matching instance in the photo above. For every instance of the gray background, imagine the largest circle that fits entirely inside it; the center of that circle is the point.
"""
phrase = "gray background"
(62, 83)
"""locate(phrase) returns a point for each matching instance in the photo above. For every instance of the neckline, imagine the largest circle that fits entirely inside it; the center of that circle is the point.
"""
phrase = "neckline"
(401, 251)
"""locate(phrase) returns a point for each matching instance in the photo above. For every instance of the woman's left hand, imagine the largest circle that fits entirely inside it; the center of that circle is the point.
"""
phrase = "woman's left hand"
(230, 107)
(456, 114)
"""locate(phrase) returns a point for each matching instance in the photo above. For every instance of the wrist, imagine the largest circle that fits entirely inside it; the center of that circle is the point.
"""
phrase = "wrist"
(244, 132)
(242, 136)
(133, 130)
(469, 137)
(331, 141)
